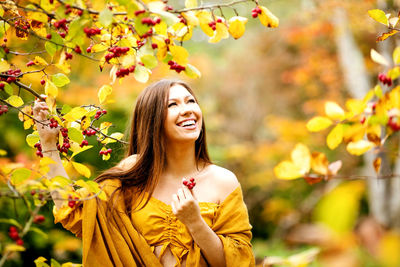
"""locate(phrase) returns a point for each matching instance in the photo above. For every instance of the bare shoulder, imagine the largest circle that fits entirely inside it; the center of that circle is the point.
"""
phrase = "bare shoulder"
(225, 180)
(127, 162)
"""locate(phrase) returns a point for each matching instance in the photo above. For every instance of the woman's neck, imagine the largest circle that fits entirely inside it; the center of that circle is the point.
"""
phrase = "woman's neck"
(181, 161)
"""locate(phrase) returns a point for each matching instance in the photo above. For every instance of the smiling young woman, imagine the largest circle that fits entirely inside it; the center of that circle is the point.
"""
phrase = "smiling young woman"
(150, 217)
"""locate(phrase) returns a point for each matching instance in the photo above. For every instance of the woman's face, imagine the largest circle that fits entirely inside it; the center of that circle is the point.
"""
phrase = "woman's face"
(184, 118)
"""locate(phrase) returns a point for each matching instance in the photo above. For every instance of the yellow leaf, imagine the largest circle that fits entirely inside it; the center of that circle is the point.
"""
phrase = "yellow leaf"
(51, 89)
(128, 60)
(39, 16)
(179, 54)
(40, 61)
(15, 100)
(377, 164)
(267, 18)
(14, 247)
(104, 91)
(104, 127)
(335, 137)
(98, 48)
(334, 111)
(379, 16)
(4, 66)
(287, 170)
(301, 157)
(355, 106)
(396, 55)
(3, 153)
(359, 147)
(81, 169)
(220, 33)
(237, 26)
(85, 122)
(190, 3)
(205, 18)
(181, 32)
(318, 123)
(75, 114)
(191, 18)
(387, 249)
(319, 163)
(192, 72)
(378, 58)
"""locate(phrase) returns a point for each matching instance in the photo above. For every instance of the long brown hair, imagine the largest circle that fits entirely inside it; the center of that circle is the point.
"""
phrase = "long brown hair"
(147, 141)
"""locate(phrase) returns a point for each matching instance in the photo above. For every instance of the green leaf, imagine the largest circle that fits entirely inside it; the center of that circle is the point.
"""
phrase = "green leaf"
(20, 175)
(106, 17)
(40, 262)
(9, 90)
(3, 28)
(50, 48)
(192, 72)
(60, 79)
(65, 109)
(15, 100)
(379, 16)
(141, 74)
(11, 221)
(32, 139)
(54, 263)
(75, 135)
(150, 61)
(38, 231)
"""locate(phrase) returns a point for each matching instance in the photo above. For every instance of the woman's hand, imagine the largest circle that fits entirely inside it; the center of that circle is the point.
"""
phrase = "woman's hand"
(47, 135)
(186, 208)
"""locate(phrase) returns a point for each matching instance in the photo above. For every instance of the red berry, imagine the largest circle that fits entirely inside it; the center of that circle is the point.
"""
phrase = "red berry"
(38, 219)
(2, 86)
(48, 36)
(19, 242)
(71, 203)
(109, 151)
(30, 63)
(80, 12)
(42, 82)
(13, 235)
(154, 46)
(62, 34)
(192, 180)
(13, 229)
(77, 50)
(33, 192)
(104, 111)
(185, 182)
(5, 40)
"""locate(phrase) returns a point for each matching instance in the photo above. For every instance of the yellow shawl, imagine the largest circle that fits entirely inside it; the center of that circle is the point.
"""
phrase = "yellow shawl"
(109, 238)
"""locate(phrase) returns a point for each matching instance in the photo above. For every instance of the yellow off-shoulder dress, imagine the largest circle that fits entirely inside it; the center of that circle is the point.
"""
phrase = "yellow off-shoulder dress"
(113, 238)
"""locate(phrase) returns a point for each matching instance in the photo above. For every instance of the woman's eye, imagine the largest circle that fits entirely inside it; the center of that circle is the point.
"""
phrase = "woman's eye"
(171, 104)
(192, 101)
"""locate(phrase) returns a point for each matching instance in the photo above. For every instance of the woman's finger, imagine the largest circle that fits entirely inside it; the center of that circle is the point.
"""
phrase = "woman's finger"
(188, 193)
(181, 195)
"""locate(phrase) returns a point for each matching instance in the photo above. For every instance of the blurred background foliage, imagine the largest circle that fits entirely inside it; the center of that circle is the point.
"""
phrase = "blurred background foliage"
(257, 94)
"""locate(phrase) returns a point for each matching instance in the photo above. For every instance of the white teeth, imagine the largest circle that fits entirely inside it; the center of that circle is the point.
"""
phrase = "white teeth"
(187, 123)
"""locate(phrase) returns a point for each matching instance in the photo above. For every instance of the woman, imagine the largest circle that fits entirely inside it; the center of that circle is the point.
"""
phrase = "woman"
(204, 226)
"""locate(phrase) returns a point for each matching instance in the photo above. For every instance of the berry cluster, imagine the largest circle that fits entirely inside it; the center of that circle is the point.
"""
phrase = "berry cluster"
(189, 184)
(89, 132)
(182, 19)
(213, 24)
(68, 9)
(38, 219)
(13, 233)
(105, 152)
(123, 72)
(12, 77)
(39, 153)
(91, 31)
(175, 66)
(150, 22)
(3, 109)
(78, 50)
(139, 44)
(72, 201)
(149, 33)
(385, 79)
(99, 113)
(53, 123)
(138, 12)
(256, 11)
(116, 52)
(61, 24)
(68, 56)
(66, 145)
(394, 124)
(84, 143)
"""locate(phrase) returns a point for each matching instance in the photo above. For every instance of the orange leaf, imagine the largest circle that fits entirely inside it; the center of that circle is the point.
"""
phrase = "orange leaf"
(312, 179)
(386, 35)
(377, 164)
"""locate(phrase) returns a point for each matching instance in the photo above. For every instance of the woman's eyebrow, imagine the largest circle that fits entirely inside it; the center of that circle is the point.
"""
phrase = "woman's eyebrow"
(175, 99)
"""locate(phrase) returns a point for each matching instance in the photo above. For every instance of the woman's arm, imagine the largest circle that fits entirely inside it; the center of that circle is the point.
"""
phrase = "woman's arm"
(48, 139)
(187, 210)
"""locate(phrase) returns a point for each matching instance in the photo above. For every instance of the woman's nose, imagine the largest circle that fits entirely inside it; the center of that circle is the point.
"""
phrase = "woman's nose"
(186, 109)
